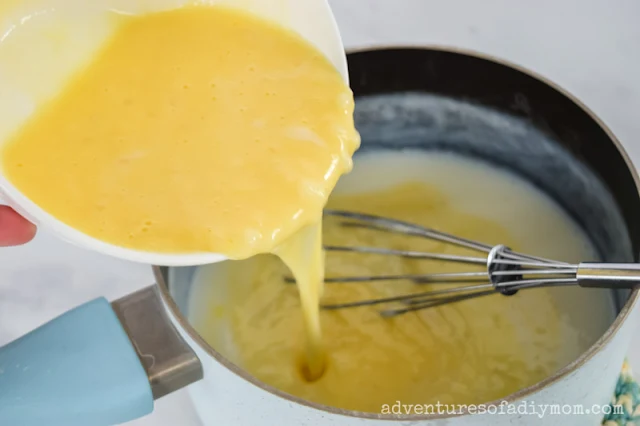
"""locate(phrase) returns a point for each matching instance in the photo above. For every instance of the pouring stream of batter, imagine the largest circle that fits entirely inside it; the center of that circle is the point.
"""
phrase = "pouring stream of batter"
(199, 129)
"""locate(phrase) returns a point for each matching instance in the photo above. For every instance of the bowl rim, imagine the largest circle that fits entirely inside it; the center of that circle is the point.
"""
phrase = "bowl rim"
(515, 397)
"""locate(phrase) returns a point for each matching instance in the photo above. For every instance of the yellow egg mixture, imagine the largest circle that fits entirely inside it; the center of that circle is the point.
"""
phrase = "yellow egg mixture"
(465, 353)
(201, 129)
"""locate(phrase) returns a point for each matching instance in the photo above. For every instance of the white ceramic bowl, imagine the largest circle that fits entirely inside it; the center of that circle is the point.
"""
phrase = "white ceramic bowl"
(24, 54)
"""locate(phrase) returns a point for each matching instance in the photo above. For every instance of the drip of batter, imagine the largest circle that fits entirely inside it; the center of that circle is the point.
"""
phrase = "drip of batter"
(304, 256)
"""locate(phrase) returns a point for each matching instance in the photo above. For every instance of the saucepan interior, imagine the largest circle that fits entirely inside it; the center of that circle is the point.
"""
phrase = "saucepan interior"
(444, 101)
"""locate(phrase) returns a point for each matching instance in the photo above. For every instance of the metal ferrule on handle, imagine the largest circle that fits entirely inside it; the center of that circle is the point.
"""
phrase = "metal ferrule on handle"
(608, 275)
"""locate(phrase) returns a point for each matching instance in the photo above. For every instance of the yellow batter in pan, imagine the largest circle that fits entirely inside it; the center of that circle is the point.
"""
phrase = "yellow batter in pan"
(469, 352)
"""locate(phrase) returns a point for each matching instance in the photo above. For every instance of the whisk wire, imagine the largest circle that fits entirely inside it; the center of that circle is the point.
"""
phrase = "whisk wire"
(506, 273)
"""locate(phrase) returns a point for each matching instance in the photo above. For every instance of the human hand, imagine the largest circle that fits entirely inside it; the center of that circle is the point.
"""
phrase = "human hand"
(14, 229)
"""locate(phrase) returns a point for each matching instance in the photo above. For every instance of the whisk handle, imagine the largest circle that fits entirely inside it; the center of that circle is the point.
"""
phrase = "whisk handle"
(608, 275)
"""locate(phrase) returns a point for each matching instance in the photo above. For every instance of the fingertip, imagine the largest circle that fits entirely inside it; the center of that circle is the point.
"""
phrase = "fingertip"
(14, 229)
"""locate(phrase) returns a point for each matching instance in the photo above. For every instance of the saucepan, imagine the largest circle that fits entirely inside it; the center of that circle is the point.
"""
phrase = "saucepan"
(105, 363)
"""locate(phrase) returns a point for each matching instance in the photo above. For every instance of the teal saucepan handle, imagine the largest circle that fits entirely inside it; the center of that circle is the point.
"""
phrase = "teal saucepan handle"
(82, 369)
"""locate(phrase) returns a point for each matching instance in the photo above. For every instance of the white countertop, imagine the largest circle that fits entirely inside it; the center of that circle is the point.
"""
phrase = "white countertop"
(589, 47)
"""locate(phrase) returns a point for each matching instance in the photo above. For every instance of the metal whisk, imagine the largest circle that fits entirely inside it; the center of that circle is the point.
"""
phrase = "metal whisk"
(506, 272)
